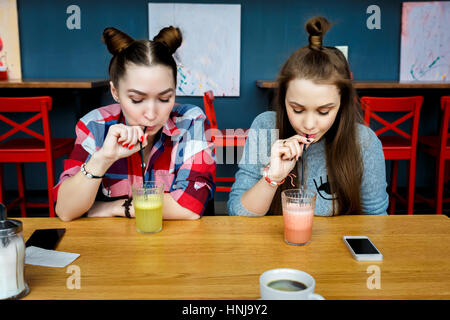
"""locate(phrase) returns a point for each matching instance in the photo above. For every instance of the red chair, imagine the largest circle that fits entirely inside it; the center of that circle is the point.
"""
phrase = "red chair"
(439, 147)
(397, 147)
(39, 148)
(222, 138)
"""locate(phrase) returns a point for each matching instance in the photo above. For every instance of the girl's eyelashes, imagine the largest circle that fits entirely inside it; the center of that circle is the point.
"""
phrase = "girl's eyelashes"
(139, 101)
(322, 113)
(166, 99)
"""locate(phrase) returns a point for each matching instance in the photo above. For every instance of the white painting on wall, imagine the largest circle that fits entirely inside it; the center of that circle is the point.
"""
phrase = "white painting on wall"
(425, 41)
(209, 57)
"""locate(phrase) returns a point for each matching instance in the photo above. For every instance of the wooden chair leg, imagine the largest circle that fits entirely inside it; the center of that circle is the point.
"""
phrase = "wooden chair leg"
(21, 187)
(394, 173)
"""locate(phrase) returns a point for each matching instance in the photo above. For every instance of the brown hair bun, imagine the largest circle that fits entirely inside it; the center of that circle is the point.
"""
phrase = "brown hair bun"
(316, 28)
(116, 40)
(171, 37)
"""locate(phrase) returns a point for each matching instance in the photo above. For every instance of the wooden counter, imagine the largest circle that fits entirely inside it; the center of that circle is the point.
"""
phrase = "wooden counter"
(375, 85)
(54, 83)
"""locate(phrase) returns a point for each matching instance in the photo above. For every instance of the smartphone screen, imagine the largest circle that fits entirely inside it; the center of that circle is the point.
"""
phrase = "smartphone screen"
(362, 246)
(45, 238)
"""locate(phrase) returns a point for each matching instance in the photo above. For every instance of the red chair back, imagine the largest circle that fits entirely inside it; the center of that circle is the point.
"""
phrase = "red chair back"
(403, 145)
(220, 139)
(39, 105)
(411, 105)
(41, 147)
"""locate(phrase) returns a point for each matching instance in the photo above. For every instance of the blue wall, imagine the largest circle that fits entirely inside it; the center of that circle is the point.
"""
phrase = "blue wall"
(270, 31)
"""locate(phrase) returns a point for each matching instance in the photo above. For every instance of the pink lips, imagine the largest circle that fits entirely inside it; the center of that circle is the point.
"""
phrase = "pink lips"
(310, 135)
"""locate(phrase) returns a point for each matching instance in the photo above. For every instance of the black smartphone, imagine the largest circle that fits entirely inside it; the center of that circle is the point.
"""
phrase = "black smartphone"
(45, 238)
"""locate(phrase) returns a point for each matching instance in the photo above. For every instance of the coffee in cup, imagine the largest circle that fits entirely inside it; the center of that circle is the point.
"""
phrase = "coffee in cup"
(287, 284)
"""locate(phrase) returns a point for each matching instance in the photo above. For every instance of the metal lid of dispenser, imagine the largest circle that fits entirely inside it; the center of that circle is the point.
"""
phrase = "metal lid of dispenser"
(8, 227)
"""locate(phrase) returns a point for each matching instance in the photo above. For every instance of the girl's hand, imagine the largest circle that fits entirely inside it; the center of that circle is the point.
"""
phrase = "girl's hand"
(284, 155)
(122, 141)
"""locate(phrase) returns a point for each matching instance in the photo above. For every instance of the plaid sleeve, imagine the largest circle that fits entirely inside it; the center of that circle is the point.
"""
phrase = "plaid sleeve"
(194, 184)
(84, 144)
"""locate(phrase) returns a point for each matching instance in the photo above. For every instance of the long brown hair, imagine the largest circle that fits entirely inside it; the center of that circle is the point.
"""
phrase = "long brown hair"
(326, 65)
(126, 50)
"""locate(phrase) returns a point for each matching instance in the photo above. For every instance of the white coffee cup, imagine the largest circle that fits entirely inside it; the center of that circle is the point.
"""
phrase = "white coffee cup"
(268, 293)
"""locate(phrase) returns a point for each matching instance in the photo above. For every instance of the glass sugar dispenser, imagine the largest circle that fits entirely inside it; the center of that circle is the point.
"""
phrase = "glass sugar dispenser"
(12, 258)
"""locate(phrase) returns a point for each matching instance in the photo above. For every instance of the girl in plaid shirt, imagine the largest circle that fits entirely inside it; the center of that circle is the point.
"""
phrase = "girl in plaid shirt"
(106, 159)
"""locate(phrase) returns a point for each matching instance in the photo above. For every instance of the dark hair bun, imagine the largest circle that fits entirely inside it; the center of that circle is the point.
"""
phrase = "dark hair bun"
(116, 40)
(316, 28)
(171, 37)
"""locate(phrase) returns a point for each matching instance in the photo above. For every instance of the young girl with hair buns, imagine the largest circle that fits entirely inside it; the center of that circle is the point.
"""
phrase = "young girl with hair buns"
(316, 110)
(107, 158)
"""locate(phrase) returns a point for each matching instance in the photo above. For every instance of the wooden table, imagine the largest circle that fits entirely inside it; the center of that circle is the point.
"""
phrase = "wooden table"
(222, 257)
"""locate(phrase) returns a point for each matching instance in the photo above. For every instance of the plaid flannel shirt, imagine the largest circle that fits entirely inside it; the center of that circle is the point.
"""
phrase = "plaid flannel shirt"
(181, 158)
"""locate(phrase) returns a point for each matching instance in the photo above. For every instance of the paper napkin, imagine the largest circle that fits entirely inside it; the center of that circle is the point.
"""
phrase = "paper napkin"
(48, 258)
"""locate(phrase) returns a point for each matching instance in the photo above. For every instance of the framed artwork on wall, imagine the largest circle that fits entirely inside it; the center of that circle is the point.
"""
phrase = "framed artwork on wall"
(209, 57)
(425, 41)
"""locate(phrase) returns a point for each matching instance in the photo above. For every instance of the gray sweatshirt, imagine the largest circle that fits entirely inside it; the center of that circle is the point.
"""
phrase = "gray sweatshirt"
(256, 155)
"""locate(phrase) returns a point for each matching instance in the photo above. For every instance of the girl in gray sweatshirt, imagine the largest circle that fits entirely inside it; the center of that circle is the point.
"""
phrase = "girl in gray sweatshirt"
(317, 121)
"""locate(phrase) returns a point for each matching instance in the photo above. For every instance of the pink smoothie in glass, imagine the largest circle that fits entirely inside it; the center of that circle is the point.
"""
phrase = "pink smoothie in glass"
(298, 222)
